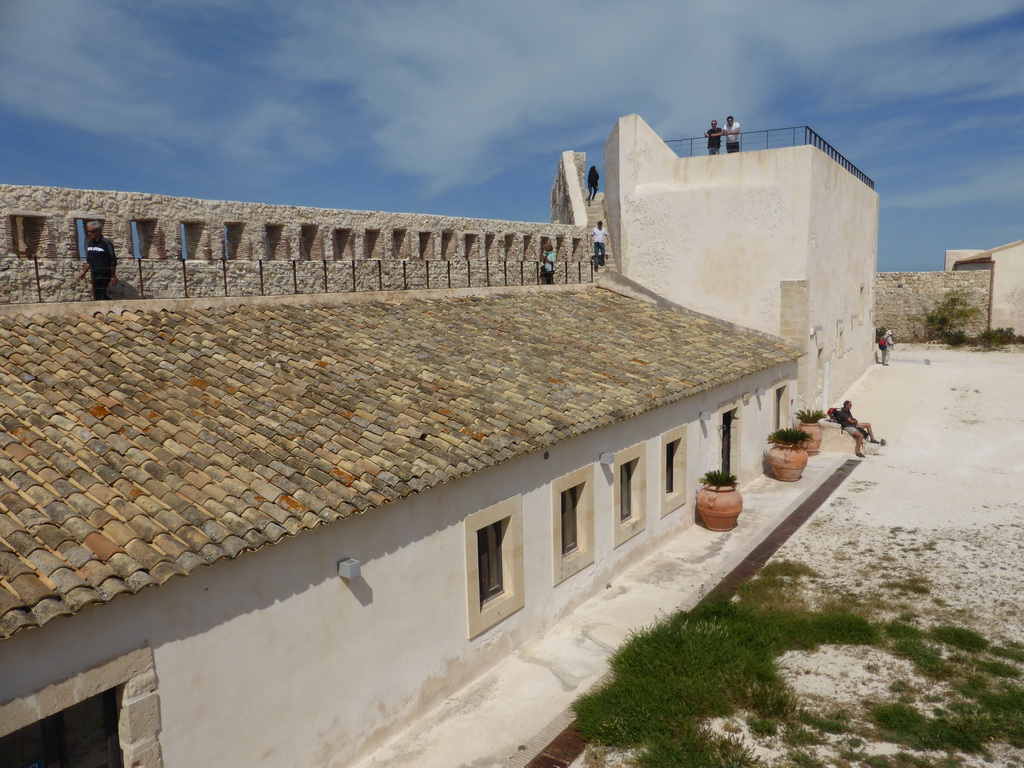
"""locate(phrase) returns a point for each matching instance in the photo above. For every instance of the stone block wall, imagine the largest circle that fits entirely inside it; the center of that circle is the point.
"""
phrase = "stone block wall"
(901, 298)
(172, 247)
(568, 190)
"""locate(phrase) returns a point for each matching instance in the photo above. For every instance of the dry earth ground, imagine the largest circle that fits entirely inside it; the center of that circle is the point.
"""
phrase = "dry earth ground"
(931, 528)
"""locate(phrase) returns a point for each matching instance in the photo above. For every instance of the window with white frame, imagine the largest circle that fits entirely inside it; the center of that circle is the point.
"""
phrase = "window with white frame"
(572, 522)
(494, 564)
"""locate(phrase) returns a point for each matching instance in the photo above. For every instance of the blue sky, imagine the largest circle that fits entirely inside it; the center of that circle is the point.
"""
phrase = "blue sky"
(463, 107)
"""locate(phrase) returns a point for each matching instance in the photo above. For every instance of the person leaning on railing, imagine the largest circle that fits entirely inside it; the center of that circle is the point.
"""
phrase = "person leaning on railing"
(732, 135)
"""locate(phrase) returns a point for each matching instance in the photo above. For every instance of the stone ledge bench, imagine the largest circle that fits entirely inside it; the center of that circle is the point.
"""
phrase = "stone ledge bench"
(835, 440)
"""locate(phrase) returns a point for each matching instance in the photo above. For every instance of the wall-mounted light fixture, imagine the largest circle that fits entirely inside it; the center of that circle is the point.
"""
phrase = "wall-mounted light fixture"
(816, 330)
(760, 391)
(705, 416)
(349, 568)
(606, 458)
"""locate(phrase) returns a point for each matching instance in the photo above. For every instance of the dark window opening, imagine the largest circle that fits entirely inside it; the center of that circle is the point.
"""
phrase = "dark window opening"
(82, 736)
(626, 472)
(570, 519)
(671, 451)
(488, 547)
(727, 420)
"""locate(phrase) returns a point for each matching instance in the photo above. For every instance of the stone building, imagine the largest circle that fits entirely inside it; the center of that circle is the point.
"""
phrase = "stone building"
(379, 455)
(367, 503)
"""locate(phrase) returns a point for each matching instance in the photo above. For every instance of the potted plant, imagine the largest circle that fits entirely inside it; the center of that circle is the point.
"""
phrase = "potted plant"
(808, 420)
(718, 502)
(788, 455)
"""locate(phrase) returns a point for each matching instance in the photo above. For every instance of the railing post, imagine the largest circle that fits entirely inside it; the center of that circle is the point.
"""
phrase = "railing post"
(262, 291)
(327, 288)
(405, 278)
(184, 277)
(295, 279)
(39, 286)
(142, 288)
(380, 274)
(224, 269)
(354, 288)
(426, 263)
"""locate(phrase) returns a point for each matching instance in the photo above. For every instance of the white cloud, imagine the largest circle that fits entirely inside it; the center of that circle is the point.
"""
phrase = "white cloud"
(452, 91)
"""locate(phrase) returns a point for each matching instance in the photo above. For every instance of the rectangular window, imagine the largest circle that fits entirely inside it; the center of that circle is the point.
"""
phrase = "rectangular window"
(488, 543)
(673, 447)
(570, 519)
(84, 734)
(630, 491)
(572, 523)
(494, 564)
(626, 490)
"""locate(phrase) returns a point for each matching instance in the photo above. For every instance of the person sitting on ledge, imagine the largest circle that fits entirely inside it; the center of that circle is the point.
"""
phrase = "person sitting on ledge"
(859, 429)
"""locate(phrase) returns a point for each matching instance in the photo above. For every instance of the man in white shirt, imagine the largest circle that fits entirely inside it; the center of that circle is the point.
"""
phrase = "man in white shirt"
(598, 236)
(732, 135)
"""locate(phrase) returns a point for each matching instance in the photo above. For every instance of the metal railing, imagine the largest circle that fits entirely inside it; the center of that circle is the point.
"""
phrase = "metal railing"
(796, 136)
(31, 279)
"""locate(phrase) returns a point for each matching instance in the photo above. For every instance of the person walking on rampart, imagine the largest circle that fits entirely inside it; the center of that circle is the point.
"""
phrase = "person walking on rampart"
(101, 261)
(732, 135)
(714, 137)
(885, 345)
(598, 236)
(592, 178)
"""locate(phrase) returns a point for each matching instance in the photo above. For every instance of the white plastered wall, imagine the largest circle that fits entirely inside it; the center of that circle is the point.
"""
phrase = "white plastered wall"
(721, 234)
(274, 660)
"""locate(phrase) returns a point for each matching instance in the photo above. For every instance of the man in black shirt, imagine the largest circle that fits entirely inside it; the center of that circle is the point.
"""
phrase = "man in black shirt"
(858, 429)
(100, 260)
(714, 136)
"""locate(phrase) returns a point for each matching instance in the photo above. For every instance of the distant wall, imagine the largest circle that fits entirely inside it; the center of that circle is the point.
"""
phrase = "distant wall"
(189, 247)
(901, 298)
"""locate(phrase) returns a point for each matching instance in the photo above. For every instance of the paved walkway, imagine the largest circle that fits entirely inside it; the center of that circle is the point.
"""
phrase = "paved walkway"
(506, 717)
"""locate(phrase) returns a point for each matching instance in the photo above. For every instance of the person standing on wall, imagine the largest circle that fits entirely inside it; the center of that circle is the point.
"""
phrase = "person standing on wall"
(547, 265)
(714, 137)
(598, 236)
(885, 345)
(592, 178)
(100, 260)
(732, 135)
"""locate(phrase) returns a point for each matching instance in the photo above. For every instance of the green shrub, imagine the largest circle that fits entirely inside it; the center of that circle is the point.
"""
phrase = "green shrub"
(948, 318)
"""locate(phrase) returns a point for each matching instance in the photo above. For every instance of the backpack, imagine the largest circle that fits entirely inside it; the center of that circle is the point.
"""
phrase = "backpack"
(883, 343)
(832, 414)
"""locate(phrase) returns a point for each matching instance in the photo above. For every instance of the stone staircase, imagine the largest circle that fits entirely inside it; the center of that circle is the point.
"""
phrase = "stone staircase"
(596, 213)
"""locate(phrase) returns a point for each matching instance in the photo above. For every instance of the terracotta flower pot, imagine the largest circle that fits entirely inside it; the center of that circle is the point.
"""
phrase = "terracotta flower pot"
(719, 507)
(814, 430)
(787, 462)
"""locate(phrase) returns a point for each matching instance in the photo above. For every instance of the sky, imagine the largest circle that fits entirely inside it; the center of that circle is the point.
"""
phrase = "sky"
(463, 107)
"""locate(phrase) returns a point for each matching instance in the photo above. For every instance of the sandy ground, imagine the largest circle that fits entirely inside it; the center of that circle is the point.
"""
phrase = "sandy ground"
(940, 506)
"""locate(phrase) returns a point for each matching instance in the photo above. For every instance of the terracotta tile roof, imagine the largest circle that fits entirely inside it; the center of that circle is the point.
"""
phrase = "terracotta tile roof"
(138, 446)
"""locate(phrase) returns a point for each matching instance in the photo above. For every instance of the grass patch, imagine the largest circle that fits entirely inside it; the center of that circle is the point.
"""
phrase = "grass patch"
(837, 722)
(959, 637)
(720, 659)
(924, 657)
(918, 585)
(1007, 652)
(710, 662)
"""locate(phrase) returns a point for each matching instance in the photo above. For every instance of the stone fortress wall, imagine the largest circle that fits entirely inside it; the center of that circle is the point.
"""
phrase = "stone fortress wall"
(901, 298)
(175, 247)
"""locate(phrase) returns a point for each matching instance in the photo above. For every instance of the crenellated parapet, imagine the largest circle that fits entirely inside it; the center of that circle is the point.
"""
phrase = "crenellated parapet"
(182, 247)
